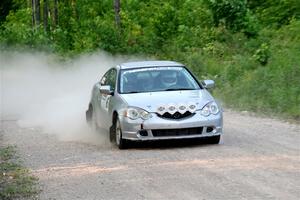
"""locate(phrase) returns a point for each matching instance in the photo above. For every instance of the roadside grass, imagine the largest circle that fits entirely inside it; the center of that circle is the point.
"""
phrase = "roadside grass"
(15, 180)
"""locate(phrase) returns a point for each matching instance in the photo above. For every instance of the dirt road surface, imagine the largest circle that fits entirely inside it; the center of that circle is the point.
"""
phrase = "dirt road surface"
(258, 158)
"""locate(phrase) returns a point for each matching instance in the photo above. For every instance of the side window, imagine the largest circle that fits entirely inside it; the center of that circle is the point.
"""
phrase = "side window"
(111, 78)
(103, 81)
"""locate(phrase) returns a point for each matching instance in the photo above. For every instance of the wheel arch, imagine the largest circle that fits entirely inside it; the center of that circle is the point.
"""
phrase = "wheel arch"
(114, 117)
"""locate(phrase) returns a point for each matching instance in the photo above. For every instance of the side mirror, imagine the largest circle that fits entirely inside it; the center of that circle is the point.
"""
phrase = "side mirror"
(208, 84)
(105, 89)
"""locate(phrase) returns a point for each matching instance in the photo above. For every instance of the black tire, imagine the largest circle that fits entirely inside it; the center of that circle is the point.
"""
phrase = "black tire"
(93, 123)
(214, 139)
(120, 142)
(112, 133)
(89, 115)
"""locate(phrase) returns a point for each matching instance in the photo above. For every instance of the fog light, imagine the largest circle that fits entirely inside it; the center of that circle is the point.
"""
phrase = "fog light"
(209, 129)
(143, 133)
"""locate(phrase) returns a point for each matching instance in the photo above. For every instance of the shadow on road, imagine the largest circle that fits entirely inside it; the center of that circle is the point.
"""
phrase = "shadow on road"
(168, 144)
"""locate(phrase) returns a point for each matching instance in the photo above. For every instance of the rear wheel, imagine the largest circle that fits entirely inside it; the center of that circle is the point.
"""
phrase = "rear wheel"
(214, 139)
(89, 115)
(93, 123)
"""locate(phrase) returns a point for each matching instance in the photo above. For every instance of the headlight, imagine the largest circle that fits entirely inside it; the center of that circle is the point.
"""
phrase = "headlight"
(214, 109)
(135, 113)
(145, 115)
(132, 113)
(205, 111)
(210, 108)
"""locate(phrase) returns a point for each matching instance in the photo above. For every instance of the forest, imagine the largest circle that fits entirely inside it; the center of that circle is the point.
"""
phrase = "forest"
(251, 48)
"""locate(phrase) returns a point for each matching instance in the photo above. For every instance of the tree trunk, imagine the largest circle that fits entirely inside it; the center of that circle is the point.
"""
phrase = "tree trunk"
(55, 13)
(46, 12)
(74, 9)
(37, 12)
(33, 12)
(117, 6)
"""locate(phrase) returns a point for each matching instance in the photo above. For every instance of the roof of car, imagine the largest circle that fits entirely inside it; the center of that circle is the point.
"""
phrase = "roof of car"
(142, 64)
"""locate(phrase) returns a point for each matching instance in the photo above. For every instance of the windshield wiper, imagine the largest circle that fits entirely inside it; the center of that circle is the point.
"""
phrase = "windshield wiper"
(173, 89)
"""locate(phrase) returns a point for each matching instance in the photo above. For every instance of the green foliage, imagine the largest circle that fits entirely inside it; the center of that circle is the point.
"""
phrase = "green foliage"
(15, 182)
(7, 153)
(250, 47)
(274, 87)
(262, 54)
(18, 30)
(276, 13)
(230, 12)
(16, 27)
(5, 7)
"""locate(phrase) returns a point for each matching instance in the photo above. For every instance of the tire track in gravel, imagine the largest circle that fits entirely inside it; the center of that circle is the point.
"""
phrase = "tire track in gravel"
(259, 158)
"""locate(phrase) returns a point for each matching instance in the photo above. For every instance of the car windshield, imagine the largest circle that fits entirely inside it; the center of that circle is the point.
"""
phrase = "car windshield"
(154, 79)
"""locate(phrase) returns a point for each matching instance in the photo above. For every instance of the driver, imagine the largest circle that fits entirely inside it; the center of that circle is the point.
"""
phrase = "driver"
(168, 78)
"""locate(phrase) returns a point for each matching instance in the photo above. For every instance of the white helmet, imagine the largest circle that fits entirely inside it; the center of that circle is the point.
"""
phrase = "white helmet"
(168, 78)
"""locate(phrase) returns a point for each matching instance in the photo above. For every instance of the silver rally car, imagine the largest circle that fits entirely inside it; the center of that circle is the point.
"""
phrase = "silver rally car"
(154, 100)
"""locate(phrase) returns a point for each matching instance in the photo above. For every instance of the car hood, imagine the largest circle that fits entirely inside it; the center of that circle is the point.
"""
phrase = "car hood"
(151, 101)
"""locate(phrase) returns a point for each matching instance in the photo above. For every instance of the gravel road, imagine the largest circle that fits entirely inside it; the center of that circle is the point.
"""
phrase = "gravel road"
(258, 158)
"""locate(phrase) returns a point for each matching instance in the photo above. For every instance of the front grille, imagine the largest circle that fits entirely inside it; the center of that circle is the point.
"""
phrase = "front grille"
(176, 115)
(177, 132)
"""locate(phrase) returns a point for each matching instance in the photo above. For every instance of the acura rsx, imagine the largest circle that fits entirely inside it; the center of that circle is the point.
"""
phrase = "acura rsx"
(154, 100)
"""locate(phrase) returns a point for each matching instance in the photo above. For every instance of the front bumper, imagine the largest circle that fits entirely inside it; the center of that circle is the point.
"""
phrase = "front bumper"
(157, 128)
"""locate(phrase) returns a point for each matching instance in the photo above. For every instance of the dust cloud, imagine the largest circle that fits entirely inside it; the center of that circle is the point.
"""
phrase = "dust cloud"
(38, 90)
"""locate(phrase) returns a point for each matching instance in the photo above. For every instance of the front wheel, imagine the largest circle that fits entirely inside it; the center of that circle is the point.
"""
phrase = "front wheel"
(121, 143)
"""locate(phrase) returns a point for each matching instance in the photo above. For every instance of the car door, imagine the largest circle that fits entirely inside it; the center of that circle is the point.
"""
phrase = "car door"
(96, 100)
(105, 99)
